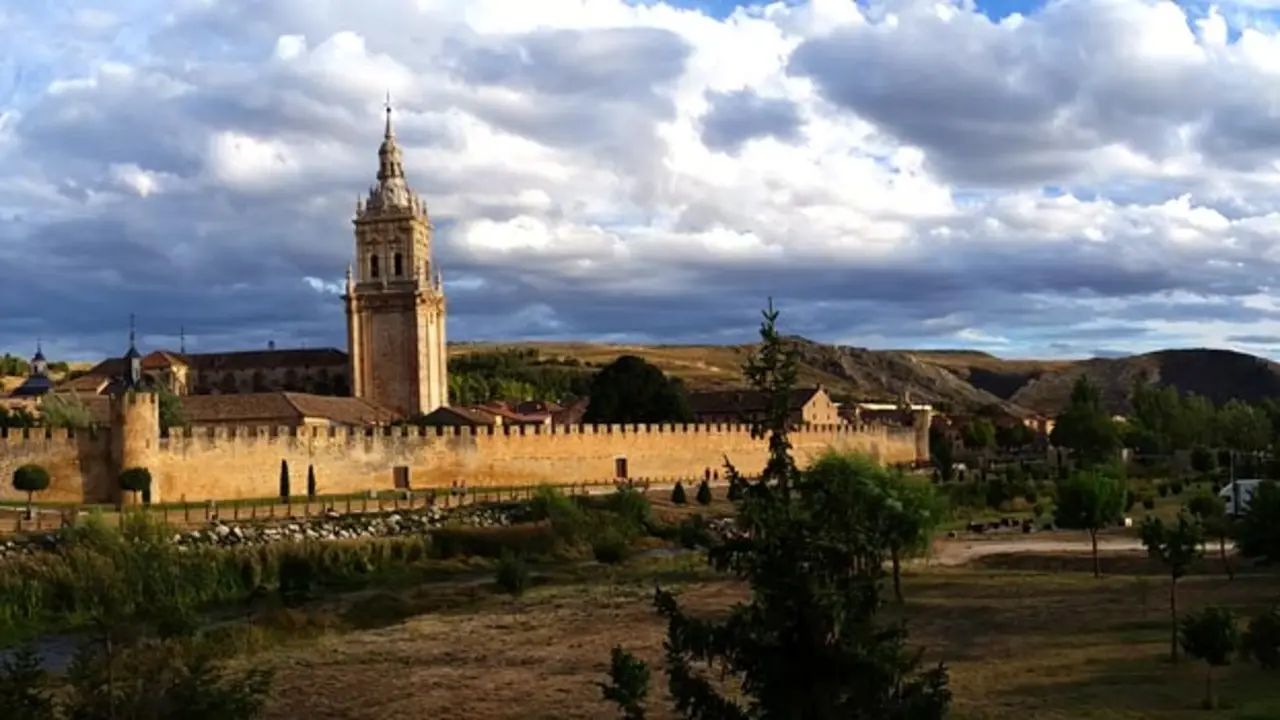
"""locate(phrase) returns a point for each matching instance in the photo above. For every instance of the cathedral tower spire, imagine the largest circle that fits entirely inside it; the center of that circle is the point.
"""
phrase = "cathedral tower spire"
(395, 314)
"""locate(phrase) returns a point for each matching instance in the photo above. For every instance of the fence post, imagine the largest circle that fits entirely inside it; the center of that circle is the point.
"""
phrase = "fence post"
(235, 512)
(186, 511)
(348, 504)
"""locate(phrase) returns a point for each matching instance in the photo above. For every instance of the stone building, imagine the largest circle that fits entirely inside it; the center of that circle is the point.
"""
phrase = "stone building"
(395, 296)
(396, 358)
(808, 406)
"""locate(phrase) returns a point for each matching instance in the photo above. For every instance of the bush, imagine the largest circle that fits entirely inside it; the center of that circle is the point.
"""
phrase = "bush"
(1262, 639)
(526, 540)
(631, 505)
(567, 518)
(678, 495)
(1163, 489)
(1037, 510)
(1031, 496)
(694, 533)
(735, 489)
(297, 578)
(1149, 503)
(30, 478)
(136, 480)
(1175, 487)
(704, 493)
(512, 575)
(610, 547)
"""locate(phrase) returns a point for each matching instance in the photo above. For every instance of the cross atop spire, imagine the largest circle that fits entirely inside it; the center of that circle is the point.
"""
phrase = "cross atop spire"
(389, 132)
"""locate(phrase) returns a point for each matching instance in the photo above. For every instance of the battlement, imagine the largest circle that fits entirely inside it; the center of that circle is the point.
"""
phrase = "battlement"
(136, 398)
(44, 437)
(400, 433)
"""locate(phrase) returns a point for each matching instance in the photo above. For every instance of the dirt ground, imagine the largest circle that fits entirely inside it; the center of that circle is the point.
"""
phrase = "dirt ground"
(1049, 646)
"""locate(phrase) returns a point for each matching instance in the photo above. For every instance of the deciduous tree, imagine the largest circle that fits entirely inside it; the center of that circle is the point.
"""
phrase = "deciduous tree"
(1085, 427)
(1089, 501)
(632, 390)
(1211, 635)
(1176, 546)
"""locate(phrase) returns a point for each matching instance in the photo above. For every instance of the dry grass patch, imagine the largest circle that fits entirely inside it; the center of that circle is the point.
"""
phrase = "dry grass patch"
(1038, 645)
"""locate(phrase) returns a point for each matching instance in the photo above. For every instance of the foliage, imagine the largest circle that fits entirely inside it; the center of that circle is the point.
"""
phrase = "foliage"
(1257, 530)
(24, 687)
(1261, 640)
(64, 411)
(172, 413)
(704, 493)
(135, 480)
(633, 390)
(806, 643)
(628, 684)
(1211, 512)
(512, 574)
(1176, 546)
(979, 434)
(1012, 436)
(30, 479)
(1210, 635)
(16, 418)
(1203, 460)
(514, 374)
(942, 452)
(14, 366)
(1243, 427)
(610, 547)
(678, 496)
(1089, 501)
(1085, 427)
(567, 519)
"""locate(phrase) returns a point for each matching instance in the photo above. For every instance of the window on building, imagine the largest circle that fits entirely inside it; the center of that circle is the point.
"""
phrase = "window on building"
(398, 263)
(373, 266)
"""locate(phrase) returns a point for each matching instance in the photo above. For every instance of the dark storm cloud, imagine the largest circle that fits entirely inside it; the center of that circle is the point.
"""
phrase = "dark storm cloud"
(735, 118)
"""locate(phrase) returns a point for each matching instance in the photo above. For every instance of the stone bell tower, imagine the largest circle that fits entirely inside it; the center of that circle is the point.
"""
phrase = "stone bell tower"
(395, 296)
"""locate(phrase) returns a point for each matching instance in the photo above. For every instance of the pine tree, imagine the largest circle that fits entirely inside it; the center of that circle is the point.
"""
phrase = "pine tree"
(807, 644)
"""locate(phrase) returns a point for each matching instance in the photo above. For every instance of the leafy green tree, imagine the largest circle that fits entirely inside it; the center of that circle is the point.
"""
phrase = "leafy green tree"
(1211, 635)
(16, 418)
(1085, 427)
(30, 479)
(812, 558)
(911, 514)
(64, 411)
(1203, 460)
(1176, 546)
(1014, 436)
(1262, 639)
(942, 452)
(979, 435)
(1243, 427)
(628, 684)
(632, 390)
(1211, 512)
(1257, 529)
(1089, 501)
(172, 413)
(136, 480)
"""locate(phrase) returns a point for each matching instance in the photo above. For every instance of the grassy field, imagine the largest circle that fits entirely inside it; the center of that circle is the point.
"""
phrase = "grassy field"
(1020, 644)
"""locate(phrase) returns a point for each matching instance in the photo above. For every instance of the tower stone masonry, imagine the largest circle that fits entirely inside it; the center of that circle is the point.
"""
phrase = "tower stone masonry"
(395, 296)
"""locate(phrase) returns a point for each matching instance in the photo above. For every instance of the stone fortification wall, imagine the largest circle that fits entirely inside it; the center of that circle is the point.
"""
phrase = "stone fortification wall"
(229, 463)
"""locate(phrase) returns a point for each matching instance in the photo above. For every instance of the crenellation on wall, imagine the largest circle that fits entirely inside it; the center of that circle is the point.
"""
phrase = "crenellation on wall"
(224, 462)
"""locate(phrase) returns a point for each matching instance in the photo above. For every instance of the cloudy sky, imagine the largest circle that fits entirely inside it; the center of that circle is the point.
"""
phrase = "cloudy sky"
(1032, 179)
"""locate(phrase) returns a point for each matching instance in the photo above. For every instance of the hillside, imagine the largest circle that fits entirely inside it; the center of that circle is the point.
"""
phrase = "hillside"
(963, 379)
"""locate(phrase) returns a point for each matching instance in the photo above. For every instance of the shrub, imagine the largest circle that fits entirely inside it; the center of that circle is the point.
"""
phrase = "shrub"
(297, 577)
(1262, 639)
(1163, 489)
(136, 480)
(693, 533)
(678, 495)
(1037, 510)
(1149, 503)
(30, 479)
(1175, 487)
(1210, 635)
(512, 575)
(1031, 496)
(704, 493)
(735, 489)
(567, 518)
(610, 547)
(631, 505)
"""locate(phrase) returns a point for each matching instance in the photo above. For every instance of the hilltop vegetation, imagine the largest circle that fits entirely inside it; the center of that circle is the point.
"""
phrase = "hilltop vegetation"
(957, 379)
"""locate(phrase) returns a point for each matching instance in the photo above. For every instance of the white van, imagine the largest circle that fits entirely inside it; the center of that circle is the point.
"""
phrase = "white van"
(1243, 488)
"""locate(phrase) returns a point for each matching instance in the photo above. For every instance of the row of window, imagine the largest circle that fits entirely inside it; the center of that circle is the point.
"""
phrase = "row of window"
(397, 266)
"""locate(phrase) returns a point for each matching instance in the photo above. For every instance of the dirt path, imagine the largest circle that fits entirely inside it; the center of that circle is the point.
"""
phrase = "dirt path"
(958, 552)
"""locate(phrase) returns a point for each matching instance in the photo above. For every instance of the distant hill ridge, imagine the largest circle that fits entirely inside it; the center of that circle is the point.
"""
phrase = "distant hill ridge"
(963, 379)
